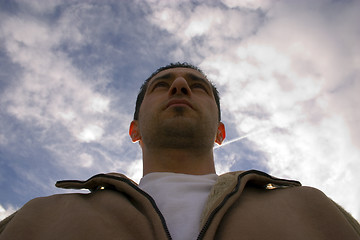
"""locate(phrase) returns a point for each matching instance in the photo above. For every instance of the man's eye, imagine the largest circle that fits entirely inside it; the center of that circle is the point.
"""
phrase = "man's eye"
(161, 84)
(199, 86)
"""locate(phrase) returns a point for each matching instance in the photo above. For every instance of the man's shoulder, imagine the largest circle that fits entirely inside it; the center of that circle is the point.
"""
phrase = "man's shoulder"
(257, 178)
(91, 194)
(96, 182)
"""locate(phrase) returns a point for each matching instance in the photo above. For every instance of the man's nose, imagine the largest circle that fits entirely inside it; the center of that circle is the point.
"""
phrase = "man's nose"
(179, 86)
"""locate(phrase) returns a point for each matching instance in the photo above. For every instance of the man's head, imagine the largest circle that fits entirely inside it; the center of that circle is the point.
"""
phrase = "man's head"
(144, 87)
(177, 121)
(178, 108)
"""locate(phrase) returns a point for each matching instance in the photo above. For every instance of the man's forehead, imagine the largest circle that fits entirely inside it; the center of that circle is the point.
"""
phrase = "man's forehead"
(179, 71)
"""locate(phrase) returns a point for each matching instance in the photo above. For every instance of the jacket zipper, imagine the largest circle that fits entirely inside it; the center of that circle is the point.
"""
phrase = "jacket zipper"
(229, 195)
(213, 213)
(167, 232)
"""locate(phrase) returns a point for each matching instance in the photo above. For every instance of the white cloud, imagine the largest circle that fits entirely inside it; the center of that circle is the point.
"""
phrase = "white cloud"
(85, 160)
(38, 5)
(67, 108)
(249, 4)
(134, 170)
(6, 211)
(99, 104)
(320, 155)
(51, 90)
(187, 23)
(224, 165)
(3, 139)
(90, 133)
(289, 73)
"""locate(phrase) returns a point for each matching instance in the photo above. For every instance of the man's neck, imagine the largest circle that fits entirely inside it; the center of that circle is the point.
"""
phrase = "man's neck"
(178, 161)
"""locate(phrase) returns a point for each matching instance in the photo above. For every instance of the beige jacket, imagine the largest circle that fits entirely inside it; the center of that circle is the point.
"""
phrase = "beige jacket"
(242, 205)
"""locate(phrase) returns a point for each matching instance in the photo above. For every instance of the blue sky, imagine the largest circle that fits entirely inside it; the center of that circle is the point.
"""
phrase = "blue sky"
(287, 71)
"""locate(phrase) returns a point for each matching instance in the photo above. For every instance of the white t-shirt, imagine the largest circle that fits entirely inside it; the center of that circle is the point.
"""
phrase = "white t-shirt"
(180, 198)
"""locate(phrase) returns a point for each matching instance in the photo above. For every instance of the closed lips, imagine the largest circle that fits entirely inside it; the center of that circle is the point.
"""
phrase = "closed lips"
(178, 102)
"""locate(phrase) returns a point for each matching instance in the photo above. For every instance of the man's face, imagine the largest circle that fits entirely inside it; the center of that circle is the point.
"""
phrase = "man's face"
(178, 108)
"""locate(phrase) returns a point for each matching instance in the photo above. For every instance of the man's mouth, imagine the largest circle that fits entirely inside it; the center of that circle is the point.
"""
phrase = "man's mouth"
(178, 103)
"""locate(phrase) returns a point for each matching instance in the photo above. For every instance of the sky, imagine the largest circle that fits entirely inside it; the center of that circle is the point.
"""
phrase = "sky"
(288, 73)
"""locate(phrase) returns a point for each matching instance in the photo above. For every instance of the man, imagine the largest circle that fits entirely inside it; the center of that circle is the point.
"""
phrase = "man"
(176, 122)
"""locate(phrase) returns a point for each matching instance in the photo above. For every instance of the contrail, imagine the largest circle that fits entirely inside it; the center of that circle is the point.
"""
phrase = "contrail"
(242, 137)
(231, 141)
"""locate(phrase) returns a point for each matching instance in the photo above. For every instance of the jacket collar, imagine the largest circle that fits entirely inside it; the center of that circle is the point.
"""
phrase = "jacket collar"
(233, 183)
(225, 184)
(99, 181)
(228, 185)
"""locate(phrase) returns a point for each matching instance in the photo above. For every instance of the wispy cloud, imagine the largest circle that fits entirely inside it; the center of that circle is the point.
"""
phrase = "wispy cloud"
(4, 212)
(287, 67)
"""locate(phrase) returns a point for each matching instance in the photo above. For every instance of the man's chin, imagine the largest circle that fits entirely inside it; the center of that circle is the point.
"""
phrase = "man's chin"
(179, 120)
(179, 124)
(179, 111)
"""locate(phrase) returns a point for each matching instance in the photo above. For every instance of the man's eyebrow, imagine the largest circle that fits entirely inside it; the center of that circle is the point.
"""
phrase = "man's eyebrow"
(197, 78)
(164, 76)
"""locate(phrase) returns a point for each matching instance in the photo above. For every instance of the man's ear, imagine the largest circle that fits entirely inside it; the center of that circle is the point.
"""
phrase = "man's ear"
(134, 131)
(220, 134)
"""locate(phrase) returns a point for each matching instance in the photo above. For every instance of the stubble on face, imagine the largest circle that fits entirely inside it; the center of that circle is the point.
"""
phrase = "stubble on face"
(190, 127)
(178, 132)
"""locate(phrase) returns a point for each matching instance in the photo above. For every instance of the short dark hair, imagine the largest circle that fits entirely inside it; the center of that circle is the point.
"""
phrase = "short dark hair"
(143, 87)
